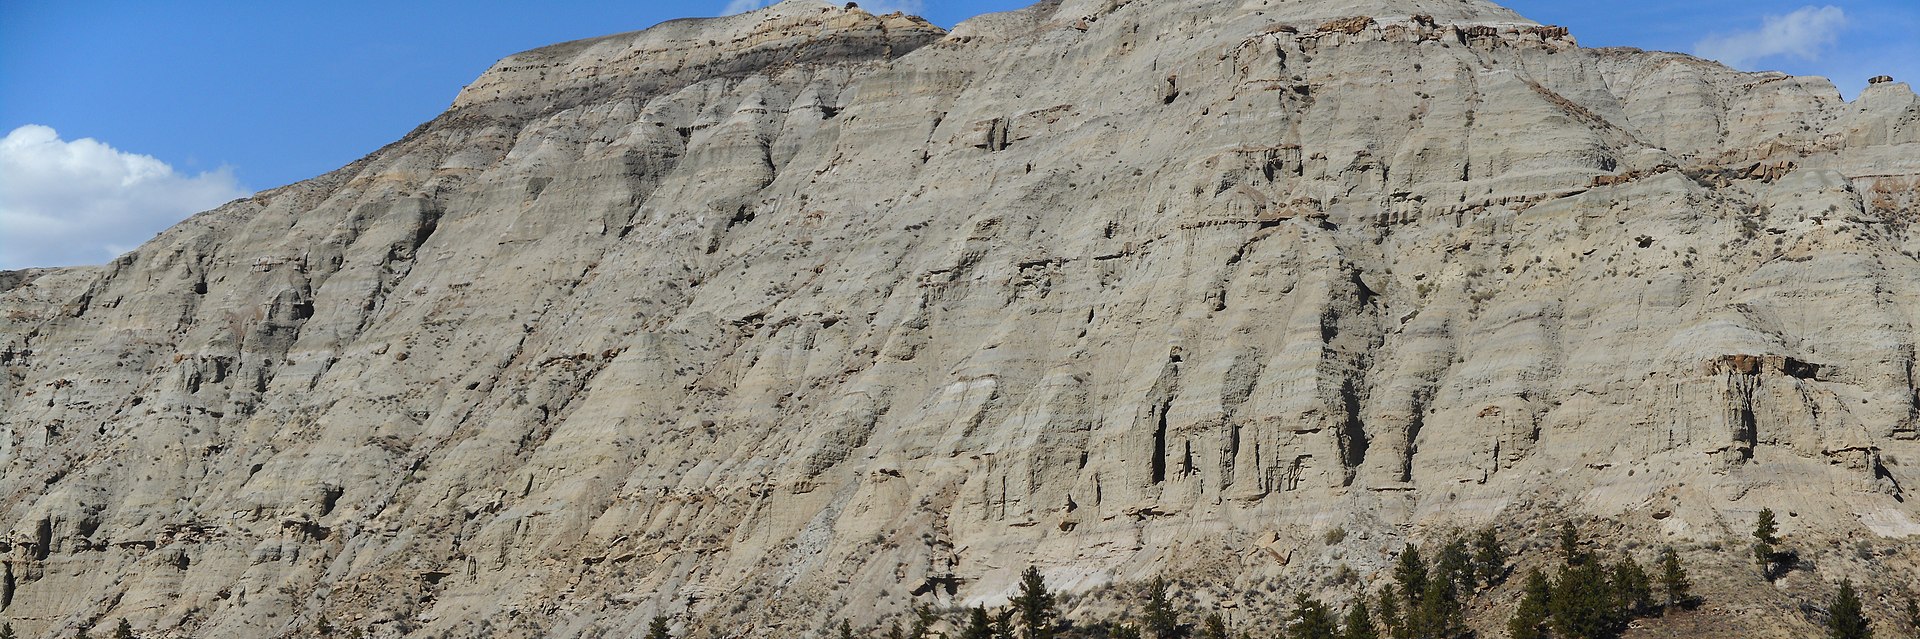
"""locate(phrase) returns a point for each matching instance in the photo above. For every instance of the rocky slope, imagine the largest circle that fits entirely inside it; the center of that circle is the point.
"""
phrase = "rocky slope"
(768, 320)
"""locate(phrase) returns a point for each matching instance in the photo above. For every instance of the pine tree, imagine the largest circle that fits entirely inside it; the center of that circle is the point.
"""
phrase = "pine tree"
(1845, 618)
(1311, 620)
(1581, 606)
(658, 628)
(6, 632)
(1766, 529)
(1439, 614)
(979, 625)
(1913, 616)
(1632, 588)
(1159, 617)
(1570, 543)
(1764, 534)
(1673, 579)
(1003, 624)
(123, 630)
(893, 630)
(923, 619)
(1214, 627)
(1035, 606)
(1411, 573)
(1530, 620)
(1359, 625)
(1455, 564)
(1390, 619)
(1489, 557)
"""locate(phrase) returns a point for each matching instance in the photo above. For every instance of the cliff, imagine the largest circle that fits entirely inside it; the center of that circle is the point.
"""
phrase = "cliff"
(804, 314)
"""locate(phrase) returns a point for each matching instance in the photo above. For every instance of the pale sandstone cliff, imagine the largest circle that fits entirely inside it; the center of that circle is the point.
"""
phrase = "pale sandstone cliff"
(767, 320)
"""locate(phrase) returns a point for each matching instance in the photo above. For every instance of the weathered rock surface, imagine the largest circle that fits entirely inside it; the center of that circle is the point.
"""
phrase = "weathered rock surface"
(766, 320)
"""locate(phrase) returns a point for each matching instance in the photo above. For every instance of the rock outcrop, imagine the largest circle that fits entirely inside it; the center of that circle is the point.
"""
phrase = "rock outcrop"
(804, 314)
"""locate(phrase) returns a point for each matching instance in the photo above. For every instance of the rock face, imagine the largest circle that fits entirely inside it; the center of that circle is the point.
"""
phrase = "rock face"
(769, 320)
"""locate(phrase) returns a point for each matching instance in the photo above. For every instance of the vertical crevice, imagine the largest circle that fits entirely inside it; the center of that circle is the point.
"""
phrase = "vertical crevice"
(1160, 442)
(1160, 399)
(1414, 425)
(1232, 453)
(1238, 386)
(1003, 497)
(1353, 438)
(42, 539)
(1186, 457)
(1741, 388)
(1747, 433)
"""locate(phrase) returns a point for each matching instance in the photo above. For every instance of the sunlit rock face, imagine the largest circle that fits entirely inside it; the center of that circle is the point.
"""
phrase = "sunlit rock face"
(766, 321)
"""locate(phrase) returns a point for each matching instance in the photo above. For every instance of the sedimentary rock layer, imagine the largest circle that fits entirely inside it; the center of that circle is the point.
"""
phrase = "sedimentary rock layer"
(769, 320)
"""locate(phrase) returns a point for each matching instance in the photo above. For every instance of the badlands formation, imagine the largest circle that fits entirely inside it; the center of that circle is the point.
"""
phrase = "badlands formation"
(765, 321)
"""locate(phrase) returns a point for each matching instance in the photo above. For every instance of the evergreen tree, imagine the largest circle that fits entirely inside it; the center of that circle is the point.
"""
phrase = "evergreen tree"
(923, 619)
(1214, 627)
(1390, 619)
(1765, 529)
(1530, 620)
(1845, 618)
(1311, 620)
(1159, 617)
(83, 634)
(979, 625)
(1581, 605)
(1913, 616)
(1632, 588)
(1003, 625)
(1673, 579)
(322, 627)
(658, 628)
(1411, 573)
(1765, 537)
(1036, 606)
(1438, 615)
(893, 630)
(123, 630)
(6, 632)
(1359, 624)
(1455, 564)
(1123, 631)
(1570, 543)
(846, 630)
(1489, 557)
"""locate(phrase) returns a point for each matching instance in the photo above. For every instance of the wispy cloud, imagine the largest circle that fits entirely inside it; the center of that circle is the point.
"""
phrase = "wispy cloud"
(877, 7)
(1805, 34)
(84, 202)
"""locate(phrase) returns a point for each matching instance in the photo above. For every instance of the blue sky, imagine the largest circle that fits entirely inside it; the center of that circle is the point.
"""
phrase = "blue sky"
(193, 102)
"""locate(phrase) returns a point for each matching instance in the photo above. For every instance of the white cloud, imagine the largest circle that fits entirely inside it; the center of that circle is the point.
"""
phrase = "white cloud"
(84, 202)
(876, 7)
(1804, 34)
